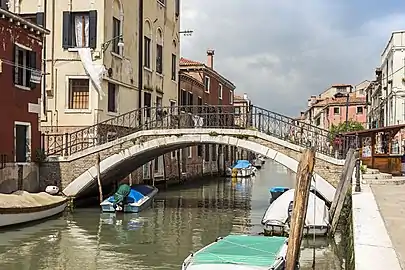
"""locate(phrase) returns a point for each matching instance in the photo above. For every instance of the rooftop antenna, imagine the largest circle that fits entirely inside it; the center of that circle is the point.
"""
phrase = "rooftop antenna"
(186, 32)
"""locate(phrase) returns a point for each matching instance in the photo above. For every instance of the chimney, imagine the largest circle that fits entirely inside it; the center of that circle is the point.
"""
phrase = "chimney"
(302, 113)
(210, 58)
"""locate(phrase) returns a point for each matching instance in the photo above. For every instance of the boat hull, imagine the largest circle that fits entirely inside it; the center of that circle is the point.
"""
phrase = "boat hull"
(107, 207)
(25, 216)
(283, 230)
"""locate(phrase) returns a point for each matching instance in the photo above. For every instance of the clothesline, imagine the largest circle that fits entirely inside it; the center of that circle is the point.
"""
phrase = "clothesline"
(10, 63)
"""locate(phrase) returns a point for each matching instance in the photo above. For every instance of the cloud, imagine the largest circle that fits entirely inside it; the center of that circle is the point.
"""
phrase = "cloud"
(281, 52)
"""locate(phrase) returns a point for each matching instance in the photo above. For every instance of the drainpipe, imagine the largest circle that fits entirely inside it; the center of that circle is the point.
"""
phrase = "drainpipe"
(44, 99)
(53, 59)
(140, 59)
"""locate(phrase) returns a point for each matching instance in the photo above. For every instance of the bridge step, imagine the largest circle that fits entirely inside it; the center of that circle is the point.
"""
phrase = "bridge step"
(393, 181)
(375, 176)
(372, 171)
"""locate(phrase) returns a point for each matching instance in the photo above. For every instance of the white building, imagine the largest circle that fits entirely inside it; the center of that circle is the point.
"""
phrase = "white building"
(393, 79)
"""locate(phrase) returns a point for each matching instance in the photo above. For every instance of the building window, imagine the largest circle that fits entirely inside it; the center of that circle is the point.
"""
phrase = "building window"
(336, 110)
(207, 84)
(199, 150)
(230, 97)
(112, 97)
(162, 2)
(214, 152)
(79, 29)
(4, 4)
(174, 67)
(237, 110)
(146, 52)
(22, 133)
(190, 152)
(147, 103)
(78, 94)
(360, 110)
(318, 121)
(220, 91)
(207, 152)
(174, 154)
(156, 165)
(25, 61)
(116, 34)
(159, 59)
(183, 97)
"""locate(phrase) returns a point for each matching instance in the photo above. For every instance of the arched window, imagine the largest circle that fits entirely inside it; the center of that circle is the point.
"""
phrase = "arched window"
(147, 46)
(159, 51)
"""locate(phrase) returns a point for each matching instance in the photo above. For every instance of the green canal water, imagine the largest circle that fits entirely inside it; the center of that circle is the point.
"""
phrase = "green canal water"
(183, 219)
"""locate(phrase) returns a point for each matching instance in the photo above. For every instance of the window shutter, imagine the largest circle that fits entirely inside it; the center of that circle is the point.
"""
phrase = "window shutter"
(3, 4)
(93, 29)
(67, 30)
(40, 18)
(33, 65)
(177, 8)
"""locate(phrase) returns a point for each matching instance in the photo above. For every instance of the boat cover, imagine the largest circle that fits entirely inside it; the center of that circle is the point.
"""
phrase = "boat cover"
(279, 189)
(317, 212)
(242, 164)
(248, 250)
(134, 194)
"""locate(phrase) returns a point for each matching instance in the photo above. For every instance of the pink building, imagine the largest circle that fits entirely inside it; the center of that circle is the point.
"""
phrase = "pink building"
(329, 108)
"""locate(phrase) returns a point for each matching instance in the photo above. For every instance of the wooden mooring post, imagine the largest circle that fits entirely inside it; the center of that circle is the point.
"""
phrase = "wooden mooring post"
(301, 197)
(100, 188)
(341, 190)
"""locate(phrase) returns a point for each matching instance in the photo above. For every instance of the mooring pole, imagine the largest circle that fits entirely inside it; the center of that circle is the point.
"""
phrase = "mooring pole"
(301, 196)
(100, 188)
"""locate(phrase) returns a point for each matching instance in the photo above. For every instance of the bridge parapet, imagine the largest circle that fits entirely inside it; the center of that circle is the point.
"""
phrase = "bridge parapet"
(201, 116)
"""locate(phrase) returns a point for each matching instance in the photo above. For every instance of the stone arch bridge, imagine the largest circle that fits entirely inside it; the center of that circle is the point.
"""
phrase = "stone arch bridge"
(130, 140)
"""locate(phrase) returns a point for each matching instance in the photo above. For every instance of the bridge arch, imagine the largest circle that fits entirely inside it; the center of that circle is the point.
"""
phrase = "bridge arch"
(122, 163)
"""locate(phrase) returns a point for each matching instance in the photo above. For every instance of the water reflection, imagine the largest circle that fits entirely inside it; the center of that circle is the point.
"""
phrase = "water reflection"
(180, 221)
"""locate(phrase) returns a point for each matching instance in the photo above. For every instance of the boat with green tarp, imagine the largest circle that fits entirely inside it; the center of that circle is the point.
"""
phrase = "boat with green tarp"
(240, 252)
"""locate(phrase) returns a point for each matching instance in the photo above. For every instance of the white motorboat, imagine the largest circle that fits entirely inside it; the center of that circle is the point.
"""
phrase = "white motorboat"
(276, 220)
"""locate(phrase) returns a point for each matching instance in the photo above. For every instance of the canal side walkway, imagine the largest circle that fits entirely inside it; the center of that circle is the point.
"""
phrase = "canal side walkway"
(373, 248)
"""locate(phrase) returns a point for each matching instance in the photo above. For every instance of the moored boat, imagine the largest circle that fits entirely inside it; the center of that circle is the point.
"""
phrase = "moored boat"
(242, 168)
(240, 252)
(130, 199)
(22, 207)
(257, 163)
(276, 220)
(276, 192)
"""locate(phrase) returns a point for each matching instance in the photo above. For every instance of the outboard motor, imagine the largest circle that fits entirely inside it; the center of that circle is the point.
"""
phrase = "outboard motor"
(290, 210)
(277, 192)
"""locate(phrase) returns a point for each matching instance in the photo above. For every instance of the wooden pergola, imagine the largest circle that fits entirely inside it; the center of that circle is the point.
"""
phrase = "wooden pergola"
(380, 158)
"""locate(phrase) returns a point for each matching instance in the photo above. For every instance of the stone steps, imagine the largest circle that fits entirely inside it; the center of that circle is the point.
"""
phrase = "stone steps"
(377, 176)
(394, 181)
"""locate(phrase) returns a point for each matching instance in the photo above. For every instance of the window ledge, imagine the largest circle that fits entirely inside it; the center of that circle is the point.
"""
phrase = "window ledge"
(76, 49)
(174, 81)
(117, 55)
(160, 75)
(73, 111)
(147, 69)
(114, 114)
(25, 88)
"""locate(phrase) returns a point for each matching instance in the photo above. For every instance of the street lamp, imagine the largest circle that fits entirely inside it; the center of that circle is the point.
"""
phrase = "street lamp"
(106, 44)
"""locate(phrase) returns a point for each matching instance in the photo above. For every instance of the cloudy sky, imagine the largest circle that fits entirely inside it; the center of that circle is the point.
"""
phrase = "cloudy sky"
(281, 52)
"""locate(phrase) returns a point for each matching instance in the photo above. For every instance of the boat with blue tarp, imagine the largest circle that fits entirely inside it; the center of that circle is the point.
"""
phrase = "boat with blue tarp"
(241, 168)
(277, 192)
(130, 199)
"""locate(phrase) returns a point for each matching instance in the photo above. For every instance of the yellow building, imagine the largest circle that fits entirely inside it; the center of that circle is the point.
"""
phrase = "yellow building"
(92, 57)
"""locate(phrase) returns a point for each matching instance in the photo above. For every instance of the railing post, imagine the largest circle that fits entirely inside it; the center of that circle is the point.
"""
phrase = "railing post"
(259, 126)
(358, 187)
(66, 144)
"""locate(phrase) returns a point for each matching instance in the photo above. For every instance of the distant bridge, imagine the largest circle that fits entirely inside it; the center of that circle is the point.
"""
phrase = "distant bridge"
(128, 141)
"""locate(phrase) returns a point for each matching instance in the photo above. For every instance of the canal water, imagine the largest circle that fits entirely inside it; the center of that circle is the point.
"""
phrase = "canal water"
(183, 219)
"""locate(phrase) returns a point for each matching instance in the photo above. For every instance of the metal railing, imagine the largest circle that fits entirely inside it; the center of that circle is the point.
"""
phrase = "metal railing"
(191, 116)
